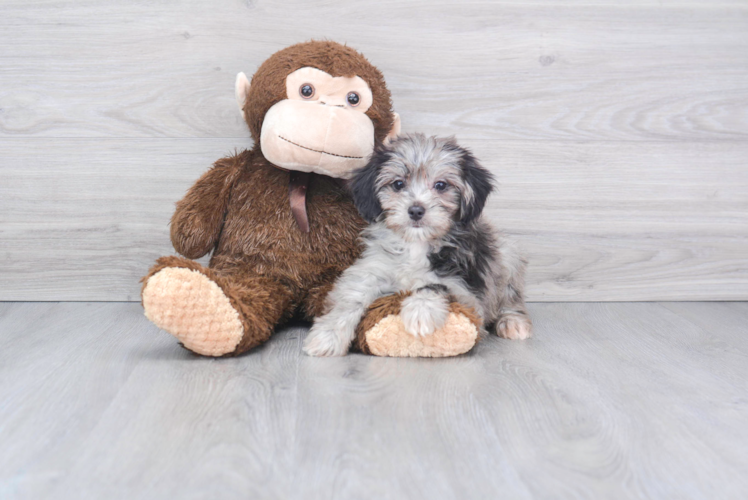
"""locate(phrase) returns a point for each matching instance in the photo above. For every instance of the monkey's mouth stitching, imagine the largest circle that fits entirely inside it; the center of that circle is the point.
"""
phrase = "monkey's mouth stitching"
(323, 152)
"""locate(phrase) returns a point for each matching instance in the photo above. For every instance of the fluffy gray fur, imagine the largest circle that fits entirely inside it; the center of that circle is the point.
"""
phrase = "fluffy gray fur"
(424, 197)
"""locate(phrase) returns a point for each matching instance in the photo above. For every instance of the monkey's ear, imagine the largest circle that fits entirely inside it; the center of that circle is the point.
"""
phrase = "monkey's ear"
(241, 89)
(363, 186)
(478, 185)
(395, 130)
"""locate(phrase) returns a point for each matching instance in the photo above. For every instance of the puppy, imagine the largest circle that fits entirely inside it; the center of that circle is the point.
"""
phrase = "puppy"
(423, 197)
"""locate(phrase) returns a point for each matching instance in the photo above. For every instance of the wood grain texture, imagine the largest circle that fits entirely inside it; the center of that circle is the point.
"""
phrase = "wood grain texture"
(83, 219)
(619, 132)
(613, 400)
(494, 70)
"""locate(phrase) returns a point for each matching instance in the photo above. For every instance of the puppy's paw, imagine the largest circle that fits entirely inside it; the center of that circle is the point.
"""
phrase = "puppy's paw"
(422, 313)
(515, 327)
(323, 341)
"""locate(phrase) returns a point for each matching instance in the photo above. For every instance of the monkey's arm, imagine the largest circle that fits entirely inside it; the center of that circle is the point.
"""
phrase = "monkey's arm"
(197, 221)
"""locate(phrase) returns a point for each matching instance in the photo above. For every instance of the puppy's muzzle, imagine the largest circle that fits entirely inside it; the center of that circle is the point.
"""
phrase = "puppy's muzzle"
(416, 212)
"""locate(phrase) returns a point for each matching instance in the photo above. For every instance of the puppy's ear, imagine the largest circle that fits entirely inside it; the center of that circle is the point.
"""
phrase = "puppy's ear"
(478, 185)
(363, 186)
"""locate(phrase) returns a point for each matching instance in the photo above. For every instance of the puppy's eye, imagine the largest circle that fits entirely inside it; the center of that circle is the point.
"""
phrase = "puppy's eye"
(440, 186)
(353, 99)
(398, 185)
(306, 90)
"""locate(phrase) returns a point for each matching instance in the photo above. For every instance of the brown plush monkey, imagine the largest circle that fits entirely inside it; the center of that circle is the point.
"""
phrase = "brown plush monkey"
(278, 219)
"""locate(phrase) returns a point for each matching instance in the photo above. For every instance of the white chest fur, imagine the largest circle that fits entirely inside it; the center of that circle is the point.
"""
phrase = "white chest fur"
(401, 265)
(413, 267)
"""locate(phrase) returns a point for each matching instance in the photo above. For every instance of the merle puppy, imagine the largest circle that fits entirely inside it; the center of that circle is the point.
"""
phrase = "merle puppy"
(423, 197)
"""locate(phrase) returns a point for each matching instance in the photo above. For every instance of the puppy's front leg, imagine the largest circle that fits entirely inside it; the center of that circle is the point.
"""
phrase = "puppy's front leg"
(333, 333)
(426, 310)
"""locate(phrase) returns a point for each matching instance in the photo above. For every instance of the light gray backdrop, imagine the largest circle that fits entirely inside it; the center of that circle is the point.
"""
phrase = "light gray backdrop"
(618, 130)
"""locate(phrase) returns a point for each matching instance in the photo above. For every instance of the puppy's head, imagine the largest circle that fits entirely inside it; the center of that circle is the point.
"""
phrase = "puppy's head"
(420, 186)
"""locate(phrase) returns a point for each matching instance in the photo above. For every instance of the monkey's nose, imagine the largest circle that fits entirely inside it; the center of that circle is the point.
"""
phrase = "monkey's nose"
(416, 212)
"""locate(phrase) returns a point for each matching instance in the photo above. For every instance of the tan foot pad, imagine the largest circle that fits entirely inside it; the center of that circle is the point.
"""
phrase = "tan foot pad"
(389, 338)
(194, 309)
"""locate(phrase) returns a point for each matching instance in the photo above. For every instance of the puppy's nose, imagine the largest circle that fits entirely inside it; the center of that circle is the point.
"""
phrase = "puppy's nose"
(416, 212)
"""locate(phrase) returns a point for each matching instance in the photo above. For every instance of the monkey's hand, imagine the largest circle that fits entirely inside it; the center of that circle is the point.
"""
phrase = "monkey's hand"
(197, 220)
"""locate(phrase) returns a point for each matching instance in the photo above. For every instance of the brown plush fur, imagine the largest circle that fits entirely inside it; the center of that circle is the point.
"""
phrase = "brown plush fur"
(263, 263)
(268, 84)
(239, 209)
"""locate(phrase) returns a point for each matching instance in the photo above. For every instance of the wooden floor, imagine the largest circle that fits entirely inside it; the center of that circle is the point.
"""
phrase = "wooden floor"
(614, 400)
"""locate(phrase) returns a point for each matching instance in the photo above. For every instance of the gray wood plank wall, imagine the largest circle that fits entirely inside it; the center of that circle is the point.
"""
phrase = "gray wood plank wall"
(618, 131)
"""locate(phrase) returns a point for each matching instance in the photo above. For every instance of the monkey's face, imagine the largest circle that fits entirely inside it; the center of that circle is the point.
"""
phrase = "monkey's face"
(321, 126)
(317, 106)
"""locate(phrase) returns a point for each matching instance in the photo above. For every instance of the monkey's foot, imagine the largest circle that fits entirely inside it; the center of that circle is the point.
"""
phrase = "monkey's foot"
(382, 332)
(193, 308)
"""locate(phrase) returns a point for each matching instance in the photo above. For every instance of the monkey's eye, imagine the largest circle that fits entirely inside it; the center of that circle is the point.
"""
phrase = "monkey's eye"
(440, 186)
(306, 90)
(353, 98)
(398, 185)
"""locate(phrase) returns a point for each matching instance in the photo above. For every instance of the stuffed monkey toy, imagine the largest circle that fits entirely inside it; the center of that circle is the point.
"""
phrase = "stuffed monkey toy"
(278, 218)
